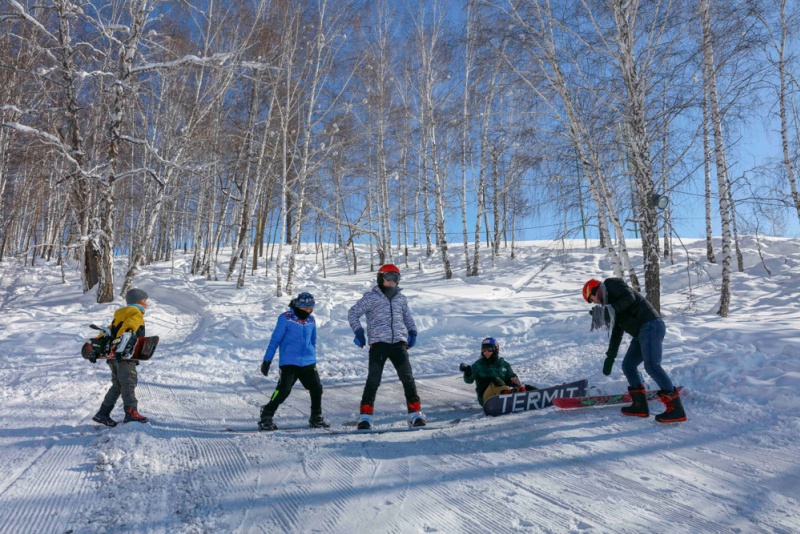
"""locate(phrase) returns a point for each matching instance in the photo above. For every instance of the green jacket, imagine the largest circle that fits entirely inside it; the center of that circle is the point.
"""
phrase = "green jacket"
(484, 373)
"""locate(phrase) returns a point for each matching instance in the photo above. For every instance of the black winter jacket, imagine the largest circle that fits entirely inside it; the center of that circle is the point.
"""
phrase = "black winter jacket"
(631, 310)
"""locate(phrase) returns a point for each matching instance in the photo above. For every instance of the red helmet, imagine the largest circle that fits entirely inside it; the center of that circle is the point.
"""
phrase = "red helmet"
(590, 288)
(388, 268)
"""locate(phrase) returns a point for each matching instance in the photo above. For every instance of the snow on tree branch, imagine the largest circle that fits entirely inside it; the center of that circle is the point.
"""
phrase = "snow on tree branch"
(190, 59)
(12, 108)
(16, 5)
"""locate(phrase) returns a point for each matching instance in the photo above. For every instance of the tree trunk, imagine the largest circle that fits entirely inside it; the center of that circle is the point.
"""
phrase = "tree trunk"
(719, 151)
(636, 121)
(707, 172)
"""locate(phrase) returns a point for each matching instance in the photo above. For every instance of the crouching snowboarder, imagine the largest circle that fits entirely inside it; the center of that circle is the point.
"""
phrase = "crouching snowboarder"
(491, 374)
(625, 310)
(296, 336)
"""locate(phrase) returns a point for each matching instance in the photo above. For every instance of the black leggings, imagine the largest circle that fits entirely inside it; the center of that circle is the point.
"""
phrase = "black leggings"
(308, 377)
(398, 355)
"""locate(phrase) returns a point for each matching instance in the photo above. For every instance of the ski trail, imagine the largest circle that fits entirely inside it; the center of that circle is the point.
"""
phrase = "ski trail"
(40, 499)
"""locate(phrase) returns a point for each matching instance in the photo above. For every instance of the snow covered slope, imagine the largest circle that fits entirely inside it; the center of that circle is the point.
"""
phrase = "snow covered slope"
(733, 466)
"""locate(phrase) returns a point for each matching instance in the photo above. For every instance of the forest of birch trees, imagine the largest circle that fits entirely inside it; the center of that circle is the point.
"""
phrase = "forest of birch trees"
(141, 129)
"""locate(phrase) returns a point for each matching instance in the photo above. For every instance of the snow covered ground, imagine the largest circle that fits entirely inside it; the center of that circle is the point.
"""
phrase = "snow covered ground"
(734, 466)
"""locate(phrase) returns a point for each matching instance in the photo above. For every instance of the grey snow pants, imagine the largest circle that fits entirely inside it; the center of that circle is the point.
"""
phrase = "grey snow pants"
(123, 382)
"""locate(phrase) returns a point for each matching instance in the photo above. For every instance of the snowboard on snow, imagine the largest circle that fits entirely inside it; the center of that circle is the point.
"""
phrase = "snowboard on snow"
(389, 429)
(379, 430)
(602, 400)
(535, 399)
(255, 430)
(102, 348)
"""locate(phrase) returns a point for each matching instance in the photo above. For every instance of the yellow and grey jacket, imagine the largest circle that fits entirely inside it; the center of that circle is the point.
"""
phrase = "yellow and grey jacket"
(128, 319)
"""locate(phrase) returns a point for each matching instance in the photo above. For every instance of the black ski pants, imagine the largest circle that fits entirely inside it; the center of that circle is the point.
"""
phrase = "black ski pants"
(308, 377)
(397, 353)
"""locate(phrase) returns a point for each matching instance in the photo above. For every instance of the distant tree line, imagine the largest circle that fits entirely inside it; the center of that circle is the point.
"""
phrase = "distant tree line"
(142, 127)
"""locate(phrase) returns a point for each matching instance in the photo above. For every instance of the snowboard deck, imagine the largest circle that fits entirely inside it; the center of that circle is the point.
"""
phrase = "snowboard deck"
(255, 430)
(602, 400)
(353, 431)
(533, 399)
(387, 430)
(143, 351)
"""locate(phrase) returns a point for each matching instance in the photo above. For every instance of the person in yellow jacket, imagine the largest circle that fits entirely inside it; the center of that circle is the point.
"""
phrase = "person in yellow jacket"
(123, 372)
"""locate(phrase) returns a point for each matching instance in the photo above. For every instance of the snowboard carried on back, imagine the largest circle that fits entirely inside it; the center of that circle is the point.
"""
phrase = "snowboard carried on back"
(535, 399)
(125, 347)
(602, 400)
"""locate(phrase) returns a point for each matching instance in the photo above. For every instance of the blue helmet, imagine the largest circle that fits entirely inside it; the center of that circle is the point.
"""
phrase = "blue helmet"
(490, 342)
(304, 300)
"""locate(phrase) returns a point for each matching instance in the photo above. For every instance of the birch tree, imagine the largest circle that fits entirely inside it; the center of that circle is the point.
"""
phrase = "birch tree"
(634, 77)
(428, 27)
(546, 79)
(327, 38)
(779, 55)
(719, 153)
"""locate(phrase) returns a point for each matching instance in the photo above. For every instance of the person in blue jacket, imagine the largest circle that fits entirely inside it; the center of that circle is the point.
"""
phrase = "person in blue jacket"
(296, 336)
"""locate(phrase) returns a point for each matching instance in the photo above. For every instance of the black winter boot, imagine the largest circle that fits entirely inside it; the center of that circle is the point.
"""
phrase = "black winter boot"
(317, 421)
(103, 416)
(674, 412)
(639, 408)
(266, 419)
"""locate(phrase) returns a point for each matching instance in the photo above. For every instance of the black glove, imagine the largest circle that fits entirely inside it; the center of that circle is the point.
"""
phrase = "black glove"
(608, 363)
(466, 369)
(93, 357)
(265, 367)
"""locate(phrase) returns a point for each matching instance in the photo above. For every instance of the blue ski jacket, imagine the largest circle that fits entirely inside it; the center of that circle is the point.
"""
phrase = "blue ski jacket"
(296, 338)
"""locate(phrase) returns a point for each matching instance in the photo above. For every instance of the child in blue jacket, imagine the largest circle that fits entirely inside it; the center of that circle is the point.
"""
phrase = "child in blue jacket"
(296, 336)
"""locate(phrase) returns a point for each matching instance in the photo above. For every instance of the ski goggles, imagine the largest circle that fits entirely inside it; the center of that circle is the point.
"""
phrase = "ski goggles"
(487, 347)
(391, 276)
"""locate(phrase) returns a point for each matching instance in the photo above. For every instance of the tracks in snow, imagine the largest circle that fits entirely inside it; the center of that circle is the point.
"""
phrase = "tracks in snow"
(546, 471)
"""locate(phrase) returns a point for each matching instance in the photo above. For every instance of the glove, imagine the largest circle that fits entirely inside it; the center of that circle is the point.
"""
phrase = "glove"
(93, 357)
(466, 369)
(608, 363)
(360, 340)
(412, 338)
(265, 367)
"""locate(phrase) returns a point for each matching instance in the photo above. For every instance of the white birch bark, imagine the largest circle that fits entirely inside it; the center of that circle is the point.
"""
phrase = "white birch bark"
(779, 46)
(552, 77)
(625, 14)
(707, 172)
(719, 152)
(465, 130)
